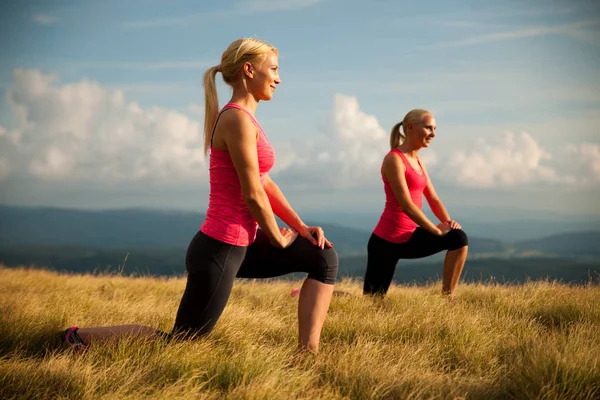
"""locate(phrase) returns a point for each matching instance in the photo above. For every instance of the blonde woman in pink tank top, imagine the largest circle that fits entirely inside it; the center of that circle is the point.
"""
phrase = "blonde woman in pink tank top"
(242, 198)
(404, 231)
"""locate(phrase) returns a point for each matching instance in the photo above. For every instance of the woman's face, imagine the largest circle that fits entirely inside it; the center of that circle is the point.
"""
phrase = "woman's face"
(422, 133)
(264, 77)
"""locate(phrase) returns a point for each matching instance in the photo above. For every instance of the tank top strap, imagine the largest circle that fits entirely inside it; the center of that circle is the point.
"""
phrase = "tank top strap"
(230, 106)
(214, 128)
(420, 164)
(402, 156)
(405, 160)
(238, 107)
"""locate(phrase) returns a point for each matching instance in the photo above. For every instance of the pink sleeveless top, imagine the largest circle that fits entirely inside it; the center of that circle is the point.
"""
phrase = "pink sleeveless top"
(394, 225)
(228, 219)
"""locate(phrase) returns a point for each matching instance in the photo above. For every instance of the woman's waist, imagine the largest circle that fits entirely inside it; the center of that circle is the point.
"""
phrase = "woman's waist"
(235, 234)
(235, 212)
(394, 208)
(396, 219)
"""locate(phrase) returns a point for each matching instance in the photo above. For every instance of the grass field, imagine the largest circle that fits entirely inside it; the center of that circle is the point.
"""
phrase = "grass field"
(537, 340)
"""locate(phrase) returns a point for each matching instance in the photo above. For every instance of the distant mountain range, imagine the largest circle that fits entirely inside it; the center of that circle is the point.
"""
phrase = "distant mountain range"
(504, 225)
(148, 241)
(572, 244)
(150, 229)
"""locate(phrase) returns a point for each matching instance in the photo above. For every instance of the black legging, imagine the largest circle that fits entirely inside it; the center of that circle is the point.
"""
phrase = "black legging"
(384, 255)
(213, 265)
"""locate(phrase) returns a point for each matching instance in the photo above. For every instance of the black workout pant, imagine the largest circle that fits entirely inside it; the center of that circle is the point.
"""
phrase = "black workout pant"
(213, 265)
(384, 255)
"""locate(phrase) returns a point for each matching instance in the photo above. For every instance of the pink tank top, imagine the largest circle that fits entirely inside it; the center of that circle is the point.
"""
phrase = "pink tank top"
(228, 219)
(394, 225)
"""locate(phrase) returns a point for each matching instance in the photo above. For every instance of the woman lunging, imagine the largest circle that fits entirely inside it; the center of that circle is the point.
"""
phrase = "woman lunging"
(404, 231)
(242, 197)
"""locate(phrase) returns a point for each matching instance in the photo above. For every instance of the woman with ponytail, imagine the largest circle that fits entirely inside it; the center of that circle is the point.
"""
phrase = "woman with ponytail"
(242, 198)
(404, 231)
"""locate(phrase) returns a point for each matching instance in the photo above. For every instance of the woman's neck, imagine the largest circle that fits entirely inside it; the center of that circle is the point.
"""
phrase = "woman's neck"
(244, 99)
(408, 150)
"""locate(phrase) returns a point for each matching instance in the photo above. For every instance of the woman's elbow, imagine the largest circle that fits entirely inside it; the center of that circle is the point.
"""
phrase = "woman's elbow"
(252, 197)
(409, 208)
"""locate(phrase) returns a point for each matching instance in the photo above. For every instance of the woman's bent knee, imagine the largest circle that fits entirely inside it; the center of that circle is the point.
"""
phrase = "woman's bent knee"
(326, 266)
(458, 239)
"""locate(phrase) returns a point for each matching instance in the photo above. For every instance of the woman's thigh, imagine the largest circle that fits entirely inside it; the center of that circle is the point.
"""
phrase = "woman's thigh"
(211, 266)
(263, 260)
(423, 243)
(381, 265)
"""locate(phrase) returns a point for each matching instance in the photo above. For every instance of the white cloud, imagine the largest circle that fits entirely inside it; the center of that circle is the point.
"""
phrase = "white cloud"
(582, 163)
(347, 154)
(44, 18)
(196, 109)
(352, 145)
(85, 132)
(517, 159)
(520, 160)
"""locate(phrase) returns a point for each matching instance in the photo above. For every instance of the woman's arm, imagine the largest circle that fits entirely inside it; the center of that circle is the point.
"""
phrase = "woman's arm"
(240, 138)
(436, 205)
(283, 209)
(394, 170)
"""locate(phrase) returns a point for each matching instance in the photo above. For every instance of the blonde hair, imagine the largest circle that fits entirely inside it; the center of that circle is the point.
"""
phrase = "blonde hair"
(412, 117)
(239, 52)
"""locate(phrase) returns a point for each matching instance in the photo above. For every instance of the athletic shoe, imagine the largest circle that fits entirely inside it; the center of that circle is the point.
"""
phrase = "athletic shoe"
(72, 339)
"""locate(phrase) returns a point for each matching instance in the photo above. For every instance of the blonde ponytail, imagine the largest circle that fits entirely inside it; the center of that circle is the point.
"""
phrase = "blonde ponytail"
(211, 104)
(396, 137)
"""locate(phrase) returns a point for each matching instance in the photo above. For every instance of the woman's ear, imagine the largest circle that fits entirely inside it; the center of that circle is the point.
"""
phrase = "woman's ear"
(248, 70)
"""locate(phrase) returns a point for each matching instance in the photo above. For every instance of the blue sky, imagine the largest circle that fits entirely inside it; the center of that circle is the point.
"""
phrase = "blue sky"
(102, 101)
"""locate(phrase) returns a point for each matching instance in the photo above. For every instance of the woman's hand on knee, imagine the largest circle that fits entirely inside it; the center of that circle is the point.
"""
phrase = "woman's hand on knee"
(444, 227)
(316, 236)
(453, 224)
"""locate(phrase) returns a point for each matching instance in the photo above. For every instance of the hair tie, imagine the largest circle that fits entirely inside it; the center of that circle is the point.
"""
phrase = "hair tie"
(400, 123)
(218, 67)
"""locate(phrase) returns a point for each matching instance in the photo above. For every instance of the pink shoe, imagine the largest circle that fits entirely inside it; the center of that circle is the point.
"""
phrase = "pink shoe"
(295, 292)
(72, 339)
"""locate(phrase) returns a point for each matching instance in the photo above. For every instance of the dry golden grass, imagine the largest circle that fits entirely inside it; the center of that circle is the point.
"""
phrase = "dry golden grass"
(538, 340)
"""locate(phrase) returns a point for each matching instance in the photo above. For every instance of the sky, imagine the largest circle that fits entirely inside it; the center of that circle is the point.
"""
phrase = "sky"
(102, 102)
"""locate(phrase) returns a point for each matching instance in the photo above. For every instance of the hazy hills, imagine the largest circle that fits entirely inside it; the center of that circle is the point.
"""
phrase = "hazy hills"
(133, 228)
(144, 228)
(147, 241)
(573, 244)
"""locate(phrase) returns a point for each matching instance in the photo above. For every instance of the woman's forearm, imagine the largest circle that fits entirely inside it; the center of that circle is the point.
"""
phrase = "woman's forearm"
(438, 209)
(260, 208)
(282, 208)
(421, 219)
